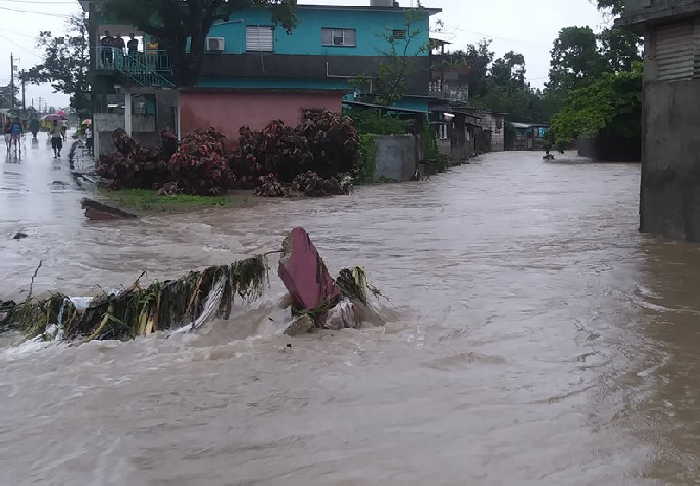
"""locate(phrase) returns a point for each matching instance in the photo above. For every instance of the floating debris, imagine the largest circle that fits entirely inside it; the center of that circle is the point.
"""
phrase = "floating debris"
(316, 299)
(304, 274)
(319, 300)
(101, 212)
(191, 300)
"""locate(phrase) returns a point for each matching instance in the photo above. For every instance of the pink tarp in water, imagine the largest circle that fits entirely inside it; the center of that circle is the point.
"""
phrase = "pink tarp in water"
(304, 273)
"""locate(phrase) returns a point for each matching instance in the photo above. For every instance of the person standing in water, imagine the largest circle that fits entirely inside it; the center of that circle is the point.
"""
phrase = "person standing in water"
(8, 135)
(34, 126)
(16, 131)
(56, 135)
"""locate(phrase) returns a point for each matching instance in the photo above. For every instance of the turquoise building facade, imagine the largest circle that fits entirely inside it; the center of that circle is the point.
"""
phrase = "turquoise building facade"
(372, 25)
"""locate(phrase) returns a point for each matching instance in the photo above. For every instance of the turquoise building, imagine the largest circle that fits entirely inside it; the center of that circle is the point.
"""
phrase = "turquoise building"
(255, 71)
(253, 66)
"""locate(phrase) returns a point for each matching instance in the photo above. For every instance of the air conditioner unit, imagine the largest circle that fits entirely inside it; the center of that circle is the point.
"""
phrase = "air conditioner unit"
(215, 44)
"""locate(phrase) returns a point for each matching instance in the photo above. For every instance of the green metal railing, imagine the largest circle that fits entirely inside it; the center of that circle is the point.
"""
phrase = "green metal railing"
(149, 69)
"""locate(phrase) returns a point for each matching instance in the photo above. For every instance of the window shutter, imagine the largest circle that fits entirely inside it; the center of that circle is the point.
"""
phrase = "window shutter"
(259, 38)
(326, 37)
(350, 37)
(675, 52)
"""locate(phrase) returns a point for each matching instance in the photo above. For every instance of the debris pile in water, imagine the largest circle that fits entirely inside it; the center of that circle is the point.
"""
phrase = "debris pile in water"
(318, 300)
(191, 300)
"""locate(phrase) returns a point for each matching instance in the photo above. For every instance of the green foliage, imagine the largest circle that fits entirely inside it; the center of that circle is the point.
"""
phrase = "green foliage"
(390, 82)
(579, 56)
(507, 92)
(620, 49)
(432, 158)
(475, 60)
(370, 121)
(66, 61)
(587, 70)
(174, 23)
(612, 103)
(509, 70)
(615, 7)
(576, 60)
(149, 200)
(368, 157)
(6, 96)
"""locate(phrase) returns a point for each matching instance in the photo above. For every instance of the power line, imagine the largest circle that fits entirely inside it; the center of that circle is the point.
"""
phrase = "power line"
(21, 34)
(19, 46)
(35, 12)
(33, 2)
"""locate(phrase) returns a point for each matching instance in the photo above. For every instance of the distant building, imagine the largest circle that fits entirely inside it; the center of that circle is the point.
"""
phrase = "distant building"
(670, 196)
(528, 136)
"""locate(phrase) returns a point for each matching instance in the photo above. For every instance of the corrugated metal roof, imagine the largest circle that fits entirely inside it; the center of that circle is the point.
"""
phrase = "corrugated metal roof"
(528, 125)
(382, 107)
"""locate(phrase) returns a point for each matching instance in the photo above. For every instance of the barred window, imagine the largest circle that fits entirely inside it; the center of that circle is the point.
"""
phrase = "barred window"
(331, 37)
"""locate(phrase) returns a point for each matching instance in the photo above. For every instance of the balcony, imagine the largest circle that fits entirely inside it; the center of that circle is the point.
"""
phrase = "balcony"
(150, 69)
(451, 94)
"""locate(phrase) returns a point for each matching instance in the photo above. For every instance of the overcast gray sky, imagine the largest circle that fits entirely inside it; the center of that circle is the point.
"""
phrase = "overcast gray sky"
(522, 26)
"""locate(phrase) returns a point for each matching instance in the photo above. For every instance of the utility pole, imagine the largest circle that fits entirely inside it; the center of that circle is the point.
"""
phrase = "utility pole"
(12, 81)
(22, 76)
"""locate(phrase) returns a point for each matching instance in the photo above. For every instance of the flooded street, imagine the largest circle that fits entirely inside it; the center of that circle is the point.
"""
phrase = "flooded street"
(536, 337)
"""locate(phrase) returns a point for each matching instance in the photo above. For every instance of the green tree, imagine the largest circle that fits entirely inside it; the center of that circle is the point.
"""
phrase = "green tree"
(392, 77)
(612, 103)
(576, 60)
(620, 49)
(615, 7)
(181, 24)
(509, 71)
(66, 61)
(477, 58)
(6, 96)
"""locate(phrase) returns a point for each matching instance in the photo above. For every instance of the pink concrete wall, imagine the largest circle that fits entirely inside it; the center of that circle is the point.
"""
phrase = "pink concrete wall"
(229, 112)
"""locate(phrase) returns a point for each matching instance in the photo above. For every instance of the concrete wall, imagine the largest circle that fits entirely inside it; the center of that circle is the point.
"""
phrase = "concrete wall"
(670, 197)
(396, 157)
(458, 140)
(229, 111)
(105, 123)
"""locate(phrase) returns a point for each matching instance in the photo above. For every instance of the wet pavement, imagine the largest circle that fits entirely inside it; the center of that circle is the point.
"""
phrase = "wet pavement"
(535, 338)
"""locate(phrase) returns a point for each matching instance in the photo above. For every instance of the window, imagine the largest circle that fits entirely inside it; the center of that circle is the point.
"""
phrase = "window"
(215, 44)
(398, 34)
(338, 37)
(259, 38)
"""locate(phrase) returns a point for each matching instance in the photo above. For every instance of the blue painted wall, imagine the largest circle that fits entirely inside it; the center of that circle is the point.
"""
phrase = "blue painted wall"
(305, 39)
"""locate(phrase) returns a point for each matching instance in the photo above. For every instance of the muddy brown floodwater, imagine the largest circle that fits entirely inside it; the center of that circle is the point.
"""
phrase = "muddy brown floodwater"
(536, 338)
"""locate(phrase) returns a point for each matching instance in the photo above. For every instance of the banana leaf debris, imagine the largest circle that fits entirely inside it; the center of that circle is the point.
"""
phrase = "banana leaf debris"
(191, 301)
